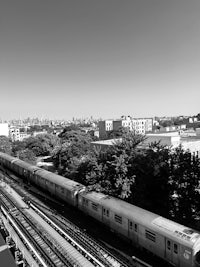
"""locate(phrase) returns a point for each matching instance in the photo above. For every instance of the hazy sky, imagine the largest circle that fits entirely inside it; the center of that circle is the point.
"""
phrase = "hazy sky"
(100, 58)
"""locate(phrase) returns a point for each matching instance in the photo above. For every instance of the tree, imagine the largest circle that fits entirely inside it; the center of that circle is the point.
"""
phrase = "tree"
(184, 179)
(151, 189)
(5, 145)
(72, 150)
(18, 146)
(116, 133)
(110, 172)
(27, 155)
(42, 144)
(68, 130)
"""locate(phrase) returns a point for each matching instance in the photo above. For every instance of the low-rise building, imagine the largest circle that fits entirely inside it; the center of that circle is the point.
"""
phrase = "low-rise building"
(37, 133)
(172, 140)
(16, 135)
(104, 127)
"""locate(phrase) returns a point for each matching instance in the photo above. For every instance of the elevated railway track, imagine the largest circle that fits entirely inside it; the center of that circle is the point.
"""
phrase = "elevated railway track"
(41, 245)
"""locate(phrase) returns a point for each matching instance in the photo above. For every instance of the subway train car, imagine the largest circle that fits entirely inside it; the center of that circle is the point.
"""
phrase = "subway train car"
(175, 243)
(7, 160)
(20, 167)
(24, 169)
(63, 188)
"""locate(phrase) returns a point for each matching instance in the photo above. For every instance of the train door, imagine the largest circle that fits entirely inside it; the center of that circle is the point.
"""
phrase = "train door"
(168, 250)
(106, 216)
(133, 231)
(172, 252)
(176, 253)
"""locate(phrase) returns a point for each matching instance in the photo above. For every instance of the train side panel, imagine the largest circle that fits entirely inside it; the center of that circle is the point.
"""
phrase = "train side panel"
(64, 194)
(90, 205)
(151, 241)
(7, 160)
(61, 187)
(118, 223)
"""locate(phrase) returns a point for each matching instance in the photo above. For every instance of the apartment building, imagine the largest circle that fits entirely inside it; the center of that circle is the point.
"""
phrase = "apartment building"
(104, 127)
(139, 126)
(16, 135)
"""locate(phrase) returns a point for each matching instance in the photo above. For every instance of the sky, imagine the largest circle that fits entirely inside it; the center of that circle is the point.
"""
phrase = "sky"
(101, 58)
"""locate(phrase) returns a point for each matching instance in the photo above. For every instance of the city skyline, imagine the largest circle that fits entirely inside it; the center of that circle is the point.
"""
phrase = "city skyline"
(104, 59)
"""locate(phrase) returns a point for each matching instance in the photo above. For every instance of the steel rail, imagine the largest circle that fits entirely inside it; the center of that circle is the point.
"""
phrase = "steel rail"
(67, 236)
(24, 237)
(46, 252)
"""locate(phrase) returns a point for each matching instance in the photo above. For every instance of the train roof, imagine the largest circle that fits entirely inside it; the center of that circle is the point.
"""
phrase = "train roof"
(180, 231)
(94, 196)
(156, 223)
(19, 162)
(59, 180)
(6, 156)
(26, 165)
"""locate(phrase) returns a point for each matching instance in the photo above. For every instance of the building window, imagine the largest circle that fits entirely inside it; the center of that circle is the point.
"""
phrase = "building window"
(118, 219)
(136, 227)
(151, 236)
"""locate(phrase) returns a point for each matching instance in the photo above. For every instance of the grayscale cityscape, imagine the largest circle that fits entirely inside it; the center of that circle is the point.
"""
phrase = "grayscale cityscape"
(100, 133)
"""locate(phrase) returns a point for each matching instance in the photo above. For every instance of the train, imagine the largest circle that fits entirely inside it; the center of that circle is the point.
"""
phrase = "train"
(176, 244)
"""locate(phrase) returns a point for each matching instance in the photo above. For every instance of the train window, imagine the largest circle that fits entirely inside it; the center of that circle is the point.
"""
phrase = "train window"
(105, 212)
(62, 190)
(94, 206)
(136, 227)
(118, 219)
(131, 226)
(151, 236)
(175, 249)
(168, 245)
